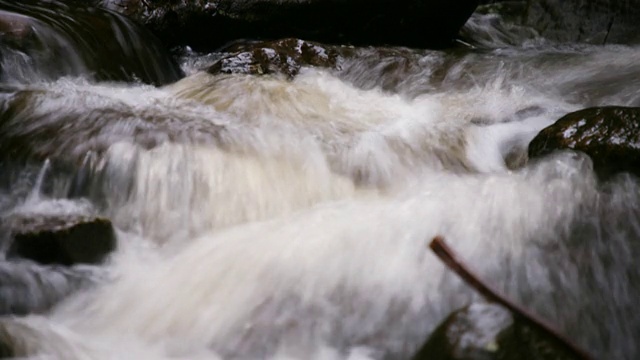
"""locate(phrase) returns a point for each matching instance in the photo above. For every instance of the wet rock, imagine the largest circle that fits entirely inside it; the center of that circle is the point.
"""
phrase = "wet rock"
(27, 288)
(6, 352)
(285, 57)
(596, 21)
(60, 238)
(53, 39)
(14, 26)
(489, 332)
(469, 333)
(288, 56)
(208, 24)
(609, 135)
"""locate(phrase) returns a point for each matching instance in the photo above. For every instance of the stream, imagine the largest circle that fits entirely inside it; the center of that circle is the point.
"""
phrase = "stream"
(262, 217)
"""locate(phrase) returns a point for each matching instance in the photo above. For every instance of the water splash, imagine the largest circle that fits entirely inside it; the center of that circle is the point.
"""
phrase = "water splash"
(35, 195)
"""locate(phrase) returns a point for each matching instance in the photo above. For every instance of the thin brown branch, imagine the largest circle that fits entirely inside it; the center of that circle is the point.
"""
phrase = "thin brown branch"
(442, 250)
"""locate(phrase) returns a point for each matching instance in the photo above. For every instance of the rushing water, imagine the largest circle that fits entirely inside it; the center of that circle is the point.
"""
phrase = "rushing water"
(260, 217)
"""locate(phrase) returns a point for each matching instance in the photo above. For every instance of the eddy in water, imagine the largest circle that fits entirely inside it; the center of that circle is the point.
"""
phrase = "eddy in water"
(263, 217)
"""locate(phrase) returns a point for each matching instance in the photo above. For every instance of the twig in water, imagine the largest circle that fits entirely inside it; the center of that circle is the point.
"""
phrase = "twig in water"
(442, 250)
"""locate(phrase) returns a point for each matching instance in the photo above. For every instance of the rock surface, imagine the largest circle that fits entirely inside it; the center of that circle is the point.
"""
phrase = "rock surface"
(284, 56)
(567, 21)
(59, 238)
(609, 135)
(73, 38)
(489, 332)
(595, 21)
(288, 56)
(208, 24)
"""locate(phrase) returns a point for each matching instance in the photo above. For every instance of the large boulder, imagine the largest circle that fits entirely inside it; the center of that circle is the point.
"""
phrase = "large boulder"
(489, 332)
(595, 21)
(74, 38)
(609, 135)
(208, 24)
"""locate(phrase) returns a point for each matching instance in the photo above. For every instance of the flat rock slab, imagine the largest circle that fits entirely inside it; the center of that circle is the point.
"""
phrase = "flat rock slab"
(64, 239)
(609, 135)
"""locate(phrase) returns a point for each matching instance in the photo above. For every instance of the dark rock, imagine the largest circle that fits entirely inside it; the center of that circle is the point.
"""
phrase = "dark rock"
(609, 135)
(6, 352)
(595, 21)
(208, 24)
(285, 56)
(469, 333)
(59, 238)
(288, 56)
(74, 38)
(489, 332)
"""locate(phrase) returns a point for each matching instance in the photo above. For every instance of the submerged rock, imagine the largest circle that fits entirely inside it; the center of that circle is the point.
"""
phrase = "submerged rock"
(284, 56)
(208, 24)
(60, 238)
(52, 39)
(489, 332)
(609, 135)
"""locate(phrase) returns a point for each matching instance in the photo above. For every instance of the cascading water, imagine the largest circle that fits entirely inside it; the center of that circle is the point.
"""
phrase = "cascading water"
(43, 41)
(266, 218)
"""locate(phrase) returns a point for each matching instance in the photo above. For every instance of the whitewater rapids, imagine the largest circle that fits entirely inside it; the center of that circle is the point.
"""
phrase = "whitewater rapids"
(262, 218)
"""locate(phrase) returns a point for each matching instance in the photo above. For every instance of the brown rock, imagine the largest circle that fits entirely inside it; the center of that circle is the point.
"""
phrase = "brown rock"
(609, 135)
